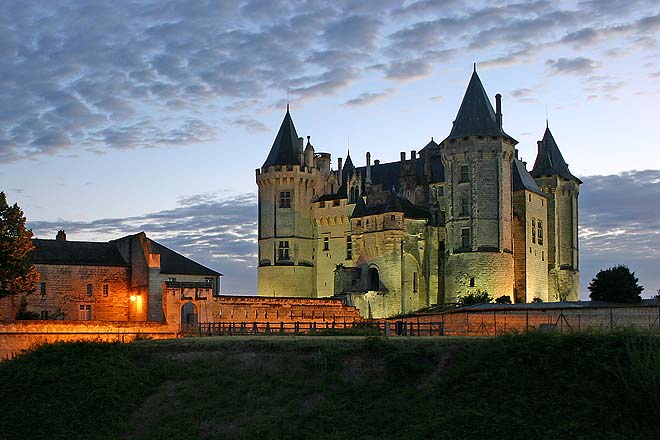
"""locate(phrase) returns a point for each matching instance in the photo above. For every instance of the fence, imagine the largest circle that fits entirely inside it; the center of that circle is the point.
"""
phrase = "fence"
(459, 323)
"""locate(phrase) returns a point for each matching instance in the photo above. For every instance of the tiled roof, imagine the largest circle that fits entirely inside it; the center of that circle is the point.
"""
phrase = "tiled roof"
(394, 203)
(176, 264)
(76, 253)
(549, 160)
(522, 179)
(476, 116)
(286, 149)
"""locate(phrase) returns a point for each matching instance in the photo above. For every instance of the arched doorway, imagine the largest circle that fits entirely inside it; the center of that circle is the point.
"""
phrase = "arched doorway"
(373, 280)
(188, 315)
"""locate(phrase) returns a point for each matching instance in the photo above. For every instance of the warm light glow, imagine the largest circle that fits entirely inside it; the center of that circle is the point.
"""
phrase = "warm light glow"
(133, 298)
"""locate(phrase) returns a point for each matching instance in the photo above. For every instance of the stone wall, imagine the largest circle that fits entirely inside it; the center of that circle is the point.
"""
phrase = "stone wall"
(65, 291)
(492, 272)
(17, 337)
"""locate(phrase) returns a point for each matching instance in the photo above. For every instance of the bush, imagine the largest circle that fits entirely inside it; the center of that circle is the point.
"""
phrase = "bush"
(504, 299)
(477, 297)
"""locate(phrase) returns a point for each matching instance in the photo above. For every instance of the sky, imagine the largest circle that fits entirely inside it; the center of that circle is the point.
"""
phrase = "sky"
(127, 116)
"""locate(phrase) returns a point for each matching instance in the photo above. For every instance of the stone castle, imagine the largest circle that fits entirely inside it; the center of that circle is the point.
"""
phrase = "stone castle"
(462, 216)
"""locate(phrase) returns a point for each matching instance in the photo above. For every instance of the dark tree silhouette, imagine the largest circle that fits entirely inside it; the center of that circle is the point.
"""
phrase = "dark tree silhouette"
(616, 284)
(17, 273)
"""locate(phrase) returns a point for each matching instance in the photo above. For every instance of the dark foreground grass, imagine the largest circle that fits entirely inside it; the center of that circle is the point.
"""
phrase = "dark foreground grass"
(513, 387)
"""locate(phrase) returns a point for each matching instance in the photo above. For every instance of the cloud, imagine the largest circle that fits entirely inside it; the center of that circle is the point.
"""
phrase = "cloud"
(578, 65)
(215, 229)
(368, 98)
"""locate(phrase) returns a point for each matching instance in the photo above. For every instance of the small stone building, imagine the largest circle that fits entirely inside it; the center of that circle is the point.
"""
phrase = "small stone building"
(121, 280)
(461, 216)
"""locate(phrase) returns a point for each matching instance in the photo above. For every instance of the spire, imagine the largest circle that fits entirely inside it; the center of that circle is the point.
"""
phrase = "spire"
(287, 148)
(349, 168)
(549, 160)
(476, 116)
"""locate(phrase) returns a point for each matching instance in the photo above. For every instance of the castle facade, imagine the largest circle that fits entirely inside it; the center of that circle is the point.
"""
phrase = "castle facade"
(456, 217)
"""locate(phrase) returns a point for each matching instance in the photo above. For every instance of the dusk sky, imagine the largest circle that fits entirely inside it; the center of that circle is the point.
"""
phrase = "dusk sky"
(127, 116)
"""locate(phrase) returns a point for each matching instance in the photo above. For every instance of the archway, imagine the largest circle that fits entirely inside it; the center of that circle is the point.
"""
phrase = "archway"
(188, 314)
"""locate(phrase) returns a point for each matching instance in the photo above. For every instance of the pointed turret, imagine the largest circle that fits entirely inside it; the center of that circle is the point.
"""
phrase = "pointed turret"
(286, 149)
(476, 116)
(349, 168)
(549, 160)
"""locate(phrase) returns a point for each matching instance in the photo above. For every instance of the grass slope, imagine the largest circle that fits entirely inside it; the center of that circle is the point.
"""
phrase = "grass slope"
(512, 387)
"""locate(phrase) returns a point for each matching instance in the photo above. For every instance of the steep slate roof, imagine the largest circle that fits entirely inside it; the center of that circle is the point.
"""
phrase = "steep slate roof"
(522, 179)
(176, 264)
(286, 148)
(476, 116)
(76, 253)
(394, 203)
(549, 160)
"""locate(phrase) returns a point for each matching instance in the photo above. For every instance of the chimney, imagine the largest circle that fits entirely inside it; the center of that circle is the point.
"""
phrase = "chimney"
(368, 168)
(339, 162)
(413, 155)
(498, 110)
(61, 235)
(376, 162)
(403, 156)
(539, 146)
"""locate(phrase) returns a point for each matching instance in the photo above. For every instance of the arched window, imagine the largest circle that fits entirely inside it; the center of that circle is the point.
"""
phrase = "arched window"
(355, 193)
(373, 279)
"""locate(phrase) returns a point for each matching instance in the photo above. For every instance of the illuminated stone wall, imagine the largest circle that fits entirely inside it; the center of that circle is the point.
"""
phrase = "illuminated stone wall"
(530, 256)
(492, 272)
(66, 291)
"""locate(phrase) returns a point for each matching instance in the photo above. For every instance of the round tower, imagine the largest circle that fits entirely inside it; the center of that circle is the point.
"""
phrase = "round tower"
(287, 182)
(478, 158)
(562, 189)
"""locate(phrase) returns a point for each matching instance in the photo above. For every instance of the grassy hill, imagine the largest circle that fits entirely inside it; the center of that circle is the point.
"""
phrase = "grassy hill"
(513, 387)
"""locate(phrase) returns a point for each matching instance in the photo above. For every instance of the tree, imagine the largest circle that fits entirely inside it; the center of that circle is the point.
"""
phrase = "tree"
(616, 284)
(17, 273)
(504, 299)
(477, 297)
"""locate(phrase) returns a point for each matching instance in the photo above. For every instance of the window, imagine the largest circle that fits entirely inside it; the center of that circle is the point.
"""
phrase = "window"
(349, 247)
(542, 255)
(355, 194)
(171, 279)
(105, 290)
(414, 281)
(326, 243)
(90, 290)
(335, 202)
(43, 288)
(322, 204)
(464, 207)
(530, 197)
(359, 223)
(533, 231)
(471, 282)
(285, 199)
(539, 232)
(85, 312)
(441, 191)
(374, 281)
(44, 315)
(465, 238)
(392, 217)
(465, 174)
(283, 251)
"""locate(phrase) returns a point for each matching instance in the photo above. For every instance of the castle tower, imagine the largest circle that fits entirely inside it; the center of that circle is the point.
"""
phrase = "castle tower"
(287, 181)
(478, 157)
(562, 188)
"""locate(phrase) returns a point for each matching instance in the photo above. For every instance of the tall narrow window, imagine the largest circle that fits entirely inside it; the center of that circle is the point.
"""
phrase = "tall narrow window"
(105, 290)
(349, 247)
(43, 288)
(44, 315)
(326, 243)
(90, 290)
(465, 174)
(539, 232)
(355, 194)
(283, 251)
(533, 231)
(464, 207)
(465, 238)
(414, 281)
(285, 199)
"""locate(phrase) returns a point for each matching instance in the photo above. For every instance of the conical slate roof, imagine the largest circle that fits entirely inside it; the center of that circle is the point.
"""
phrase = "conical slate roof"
(549, 160)
(348, 168)
(286, 148)
(476, 116)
